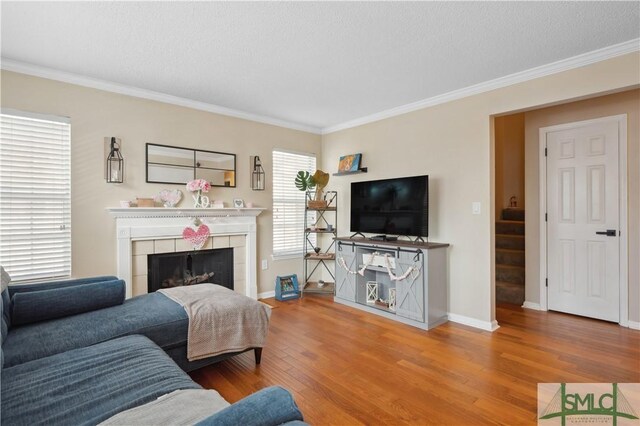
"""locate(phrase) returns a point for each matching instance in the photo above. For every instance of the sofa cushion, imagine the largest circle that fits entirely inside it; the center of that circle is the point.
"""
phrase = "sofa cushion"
(89, 385)
(152, 315)
(42, 305)
(270, 406)
(49, 285)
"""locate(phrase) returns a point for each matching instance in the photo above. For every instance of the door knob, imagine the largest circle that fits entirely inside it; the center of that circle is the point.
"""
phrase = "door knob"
(608, 233)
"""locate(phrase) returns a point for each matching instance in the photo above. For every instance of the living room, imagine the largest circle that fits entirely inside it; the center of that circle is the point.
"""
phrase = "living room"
(118, 82)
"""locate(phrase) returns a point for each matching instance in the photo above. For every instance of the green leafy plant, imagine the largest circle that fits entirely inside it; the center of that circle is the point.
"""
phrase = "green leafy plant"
(304, 181)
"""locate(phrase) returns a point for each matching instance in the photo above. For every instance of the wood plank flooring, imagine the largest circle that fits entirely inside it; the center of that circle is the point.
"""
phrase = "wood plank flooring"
(346, 367)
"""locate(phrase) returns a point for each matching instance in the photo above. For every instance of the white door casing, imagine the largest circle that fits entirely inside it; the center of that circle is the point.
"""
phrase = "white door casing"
(585, 189)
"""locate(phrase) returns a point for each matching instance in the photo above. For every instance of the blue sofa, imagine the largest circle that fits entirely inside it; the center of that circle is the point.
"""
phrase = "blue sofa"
(76, 352)
(152, 315)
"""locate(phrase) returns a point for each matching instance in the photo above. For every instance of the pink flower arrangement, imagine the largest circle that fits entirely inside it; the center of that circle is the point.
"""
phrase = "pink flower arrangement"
(198, 185)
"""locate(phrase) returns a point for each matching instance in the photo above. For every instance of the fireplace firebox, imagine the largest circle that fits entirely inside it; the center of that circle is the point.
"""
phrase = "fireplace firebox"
(166, 270)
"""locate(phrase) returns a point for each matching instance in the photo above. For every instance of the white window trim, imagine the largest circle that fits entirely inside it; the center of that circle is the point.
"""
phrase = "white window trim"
(278, 257)
(36, 116)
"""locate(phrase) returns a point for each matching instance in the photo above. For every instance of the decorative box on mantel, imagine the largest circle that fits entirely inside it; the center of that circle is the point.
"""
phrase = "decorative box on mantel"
(161, 228)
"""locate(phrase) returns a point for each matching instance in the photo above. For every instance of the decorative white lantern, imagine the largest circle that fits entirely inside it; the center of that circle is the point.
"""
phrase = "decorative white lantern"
(372, 291)
(392, 299)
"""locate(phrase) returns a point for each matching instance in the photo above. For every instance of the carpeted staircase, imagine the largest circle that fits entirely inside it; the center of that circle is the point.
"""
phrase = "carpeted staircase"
(510, 257)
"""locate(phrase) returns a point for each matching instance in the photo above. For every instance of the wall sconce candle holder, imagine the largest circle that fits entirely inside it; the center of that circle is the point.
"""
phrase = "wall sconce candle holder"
(257, 174)
(115, 163)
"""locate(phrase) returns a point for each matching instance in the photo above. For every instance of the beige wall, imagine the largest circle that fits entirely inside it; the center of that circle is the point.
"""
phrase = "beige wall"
(509, 160)
(453, 143)
(97, 114)
(620, 103)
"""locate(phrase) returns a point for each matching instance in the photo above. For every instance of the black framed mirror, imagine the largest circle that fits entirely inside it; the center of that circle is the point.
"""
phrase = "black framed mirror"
(175, 165)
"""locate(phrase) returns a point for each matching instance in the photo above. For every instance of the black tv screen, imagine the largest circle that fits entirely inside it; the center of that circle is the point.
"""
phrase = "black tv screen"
(391, 206)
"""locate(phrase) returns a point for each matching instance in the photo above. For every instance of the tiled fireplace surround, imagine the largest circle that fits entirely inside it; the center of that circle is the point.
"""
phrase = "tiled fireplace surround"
(142, 248)
(144, 231)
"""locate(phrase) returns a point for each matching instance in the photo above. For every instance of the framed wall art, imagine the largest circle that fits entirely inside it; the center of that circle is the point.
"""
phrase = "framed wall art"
(349, 163)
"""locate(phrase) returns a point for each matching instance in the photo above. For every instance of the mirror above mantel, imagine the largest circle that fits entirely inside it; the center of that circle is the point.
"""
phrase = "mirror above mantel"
(176, 165)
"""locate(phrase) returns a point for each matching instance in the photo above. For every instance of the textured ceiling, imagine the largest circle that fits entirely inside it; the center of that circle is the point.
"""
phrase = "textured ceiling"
(311, 63)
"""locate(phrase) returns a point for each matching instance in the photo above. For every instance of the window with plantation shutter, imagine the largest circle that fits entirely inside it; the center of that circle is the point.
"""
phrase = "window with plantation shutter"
(289, 202)
(35, 196)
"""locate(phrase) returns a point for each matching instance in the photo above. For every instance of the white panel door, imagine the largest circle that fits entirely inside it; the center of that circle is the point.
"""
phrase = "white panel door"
(583, 253)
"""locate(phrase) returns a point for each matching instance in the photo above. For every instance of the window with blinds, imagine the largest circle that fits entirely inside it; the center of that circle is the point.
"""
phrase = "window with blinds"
(35, 196)
(289, 202)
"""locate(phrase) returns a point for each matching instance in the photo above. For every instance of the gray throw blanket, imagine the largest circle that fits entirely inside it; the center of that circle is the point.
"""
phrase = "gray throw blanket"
(181, 407)
(220, 320)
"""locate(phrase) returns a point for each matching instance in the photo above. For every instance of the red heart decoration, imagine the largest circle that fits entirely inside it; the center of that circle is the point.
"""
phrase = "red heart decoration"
(196, 237)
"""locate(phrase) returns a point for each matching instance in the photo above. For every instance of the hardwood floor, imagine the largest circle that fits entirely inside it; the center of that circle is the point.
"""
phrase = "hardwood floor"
(345, 366)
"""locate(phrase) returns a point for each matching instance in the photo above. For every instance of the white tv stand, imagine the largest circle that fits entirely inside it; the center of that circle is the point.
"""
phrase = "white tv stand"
(421, 297)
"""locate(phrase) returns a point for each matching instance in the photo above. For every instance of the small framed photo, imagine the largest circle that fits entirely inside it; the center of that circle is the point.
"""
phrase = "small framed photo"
(238, 203)
(349, 163)
(287, 287)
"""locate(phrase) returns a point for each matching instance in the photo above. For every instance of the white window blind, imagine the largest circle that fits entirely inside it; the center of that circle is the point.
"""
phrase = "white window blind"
(35, 197)
(289, 202)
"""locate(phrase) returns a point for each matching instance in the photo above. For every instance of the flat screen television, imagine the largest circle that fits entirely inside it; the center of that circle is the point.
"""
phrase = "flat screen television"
(397, 206)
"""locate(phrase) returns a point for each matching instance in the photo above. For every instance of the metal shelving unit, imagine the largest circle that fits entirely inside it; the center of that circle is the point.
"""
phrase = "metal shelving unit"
(316, 222)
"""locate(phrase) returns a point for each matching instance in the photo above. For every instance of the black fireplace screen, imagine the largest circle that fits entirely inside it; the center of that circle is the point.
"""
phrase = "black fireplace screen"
(167, 270)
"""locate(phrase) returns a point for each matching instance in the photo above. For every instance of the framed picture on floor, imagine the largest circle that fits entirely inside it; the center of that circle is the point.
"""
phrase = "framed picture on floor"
(287, 287)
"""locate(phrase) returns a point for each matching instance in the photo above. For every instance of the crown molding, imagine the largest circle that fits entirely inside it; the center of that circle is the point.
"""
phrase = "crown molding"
(94, 83)
(519, 77)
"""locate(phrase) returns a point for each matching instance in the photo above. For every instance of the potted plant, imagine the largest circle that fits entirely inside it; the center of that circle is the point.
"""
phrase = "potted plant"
(306, 182)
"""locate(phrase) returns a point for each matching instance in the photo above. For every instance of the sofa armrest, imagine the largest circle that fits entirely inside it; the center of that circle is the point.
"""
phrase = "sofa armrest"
(26, 288)
(43, 305)
(268, 407)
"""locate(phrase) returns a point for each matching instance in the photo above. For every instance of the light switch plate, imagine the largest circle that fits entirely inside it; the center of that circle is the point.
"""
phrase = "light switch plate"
(475, 207)
(265, 264)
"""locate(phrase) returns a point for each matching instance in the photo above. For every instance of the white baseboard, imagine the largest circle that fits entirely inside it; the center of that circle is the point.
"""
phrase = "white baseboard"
(472, 322)
(532, 305)
(267, 294)
(635, 325)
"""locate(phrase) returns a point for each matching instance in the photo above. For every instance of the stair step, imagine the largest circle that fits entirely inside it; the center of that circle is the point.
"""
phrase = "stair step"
(510, 273)
(513, 214)
(510, 227)
(515, 242)
(509, 292)
(510, 257)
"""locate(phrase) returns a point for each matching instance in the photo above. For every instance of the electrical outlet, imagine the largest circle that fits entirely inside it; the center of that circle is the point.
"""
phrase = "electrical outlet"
(265, 264)
(475, 207)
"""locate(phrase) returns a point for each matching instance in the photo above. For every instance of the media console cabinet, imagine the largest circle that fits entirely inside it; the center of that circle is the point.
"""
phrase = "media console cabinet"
(401, 280)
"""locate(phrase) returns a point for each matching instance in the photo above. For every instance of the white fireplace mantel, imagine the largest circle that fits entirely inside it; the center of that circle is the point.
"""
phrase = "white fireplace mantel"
(138, 224)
